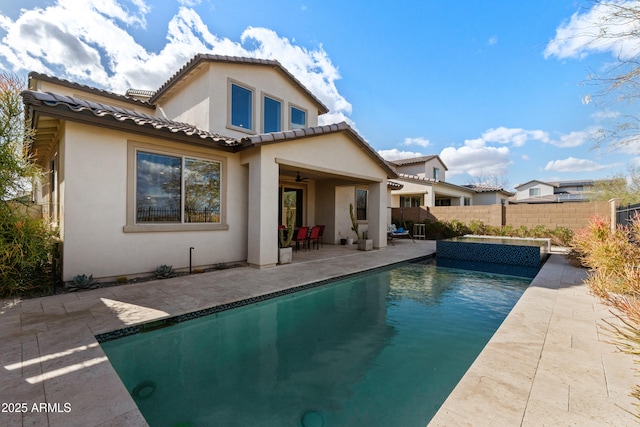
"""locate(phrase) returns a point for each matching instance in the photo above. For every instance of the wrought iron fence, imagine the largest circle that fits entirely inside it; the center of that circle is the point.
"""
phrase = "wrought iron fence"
(626, 214)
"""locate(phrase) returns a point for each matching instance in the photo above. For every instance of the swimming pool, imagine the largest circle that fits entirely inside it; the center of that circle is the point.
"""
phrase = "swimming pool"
(384, 348)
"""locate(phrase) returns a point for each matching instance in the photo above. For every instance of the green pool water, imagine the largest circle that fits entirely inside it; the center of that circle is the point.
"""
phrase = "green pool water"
(382, 349)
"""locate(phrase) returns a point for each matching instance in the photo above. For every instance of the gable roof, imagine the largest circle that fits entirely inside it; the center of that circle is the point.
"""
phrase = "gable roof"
(275, 137)
(419, 159)
(532, 181)
(202, 58)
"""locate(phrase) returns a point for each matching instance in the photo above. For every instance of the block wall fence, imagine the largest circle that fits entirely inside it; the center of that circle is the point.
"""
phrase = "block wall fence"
(551, 215)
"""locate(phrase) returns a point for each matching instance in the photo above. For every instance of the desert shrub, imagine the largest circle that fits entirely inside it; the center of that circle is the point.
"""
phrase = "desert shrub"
(561, 236)
(604, 250)
(27, 254)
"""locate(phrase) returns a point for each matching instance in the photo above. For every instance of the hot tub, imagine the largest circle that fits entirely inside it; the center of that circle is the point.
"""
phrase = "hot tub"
(489, 253)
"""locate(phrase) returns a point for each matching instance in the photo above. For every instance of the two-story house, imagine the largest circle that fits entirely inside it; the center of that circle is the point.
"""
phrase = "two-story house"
(423, 181)
(200, 166)
(535, 191)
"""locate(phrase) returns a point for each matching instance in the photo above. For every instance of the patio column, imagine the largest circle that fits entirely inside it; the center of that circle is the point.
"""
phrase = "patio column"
(377, 229)
(262, 238)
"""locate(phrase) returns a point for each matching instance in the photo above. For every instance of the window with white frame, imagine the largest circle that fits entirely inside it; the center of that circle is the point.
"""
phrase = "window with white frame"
(298, 118)
(467, 201)
(410, 201)
(436, 173)
(272, 115)
(361, 204)
(241, 107)
(534, 192)
(171, 189)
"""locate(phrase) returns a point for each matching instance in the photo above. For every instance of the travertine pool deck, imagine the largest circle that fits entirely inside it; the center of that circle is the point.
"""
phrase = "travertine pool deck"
(548, 364)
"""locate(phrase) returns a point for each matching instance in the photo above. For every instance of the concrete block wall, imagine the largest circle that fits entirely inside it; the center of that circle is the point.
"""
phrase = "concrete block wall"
(551, 215)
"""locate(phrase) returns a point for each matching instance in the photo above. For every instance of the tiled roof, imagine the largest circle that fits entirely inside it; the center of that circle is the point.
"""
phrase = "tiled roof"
(270, 138)
(486, 188)
(202, 57)
(412, 160)
(121, 116)
(416, 177)
(74, 85)
(394, 185)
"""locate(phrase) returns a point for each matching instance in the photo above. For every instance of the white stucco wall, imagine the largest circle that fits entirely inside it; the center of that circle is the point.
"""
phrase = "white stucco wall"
(95, 209)
(523, 191)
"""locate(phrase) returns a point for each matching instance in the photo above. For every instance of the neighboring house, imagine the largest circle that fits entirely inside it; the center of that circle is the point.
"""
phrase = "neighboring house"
(204, 162)
(424, 184)
(535, 191)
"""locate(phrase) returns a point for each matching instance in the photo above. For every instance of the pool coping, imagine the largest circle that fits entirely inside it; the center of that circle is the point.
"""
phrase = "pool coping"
(49, 353)
(551, 362)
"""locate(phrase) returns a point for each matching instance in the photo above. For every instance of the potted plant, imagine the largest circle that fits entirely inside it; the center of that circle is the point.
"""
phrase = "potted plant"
(363, 244)
(285, 251)
(354, 223)
(343, 241)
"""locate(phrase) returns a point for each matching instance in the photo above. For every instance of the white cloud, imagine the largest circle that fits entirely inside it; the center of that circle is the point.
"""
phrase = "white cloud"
(597, 30)
(421, 142)
(605, 115)
(476, 159)
(572, 139)
(515, 136)
(492, 40)
(571, 164)
(395, 154)
(88, 42)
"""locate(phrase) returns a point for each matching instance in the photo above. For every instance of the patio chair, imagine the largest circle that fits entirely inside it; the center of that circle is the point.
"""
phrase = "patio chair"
(397, 233)
(320, 238)
(314, 236)
(300, 236)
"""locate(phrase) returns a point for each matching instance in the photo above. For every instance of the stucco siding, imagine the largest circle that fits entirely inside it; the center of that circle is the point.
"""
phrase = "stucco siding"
(94, 240)
(203, 100)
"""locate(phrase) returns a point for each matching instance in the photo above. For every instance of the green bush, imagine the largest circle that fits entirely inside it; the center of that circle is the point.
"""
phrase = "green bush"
(27, 254)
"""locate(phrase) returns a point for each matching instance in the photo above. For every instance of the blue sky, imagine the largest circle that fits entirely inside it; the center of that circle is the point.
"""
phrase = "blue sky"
(494, 87)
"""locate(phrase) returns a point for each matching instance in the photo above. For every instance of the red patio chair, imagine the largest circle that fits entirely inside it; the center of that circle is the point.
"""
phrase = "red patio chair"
(314, 236)
(300, 236)
(320, 238)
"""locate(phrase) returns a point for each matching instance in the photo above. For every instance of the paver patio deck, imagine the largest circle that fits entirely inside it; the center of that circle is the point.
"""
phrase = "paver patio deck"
(548, 364)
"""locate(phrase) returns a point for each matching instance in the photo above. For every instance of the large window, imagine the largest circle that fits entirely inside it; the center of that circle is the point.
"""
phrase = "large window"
(534, 192)
(361, 205)
(272, 111)
(298, 118)
(241, 107)
(176, 189)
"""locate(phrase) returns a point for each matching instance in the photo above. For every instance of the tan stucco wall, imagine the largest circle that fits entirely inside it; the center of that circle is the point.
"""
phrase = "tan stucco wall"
(204, 99)
(95, 190)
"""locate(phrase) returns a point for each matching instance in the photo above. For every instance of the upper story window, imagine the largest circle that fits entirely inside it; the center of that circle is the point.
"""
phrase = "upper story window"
(272, 112)
(534, 192)
(241, 107)
(436, 173)
(298, 118)
(176, 189)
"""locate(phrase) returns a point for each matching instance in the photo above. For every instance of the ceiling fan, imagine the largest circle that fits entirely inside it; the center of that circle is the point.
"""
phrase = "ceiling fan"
(299, 179)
